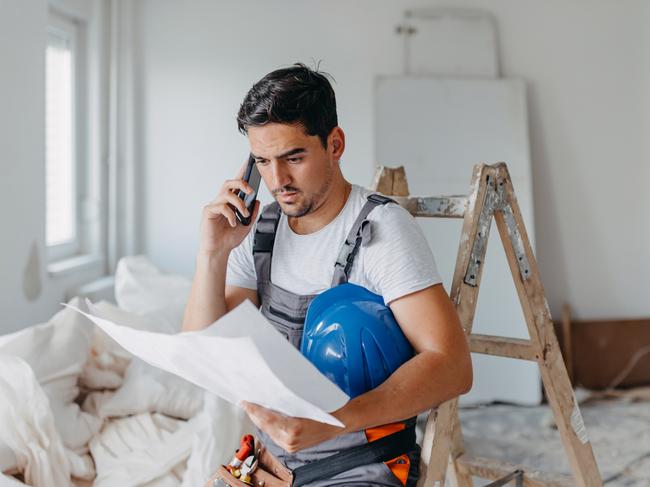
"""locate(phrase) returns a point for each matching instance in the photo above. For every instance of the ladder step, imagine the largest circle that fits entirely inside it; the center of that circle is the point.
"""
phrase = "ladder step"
(503, 347)
(490, 469)
(434, 206)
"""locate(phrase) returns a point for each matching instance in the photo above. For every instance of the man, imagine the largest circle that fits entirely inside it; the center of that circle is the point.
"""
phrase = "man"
(290, 119)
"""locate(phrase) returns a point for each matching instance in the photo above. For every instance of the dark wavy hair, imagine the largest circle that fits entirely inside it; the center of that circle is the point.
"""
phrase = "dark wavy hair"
(292, 95)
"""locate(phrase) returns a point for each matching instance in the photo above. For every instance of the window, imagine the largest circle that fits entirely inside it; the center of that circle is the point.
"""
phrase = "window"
(61, 222)
(76, 137)
(72, 219)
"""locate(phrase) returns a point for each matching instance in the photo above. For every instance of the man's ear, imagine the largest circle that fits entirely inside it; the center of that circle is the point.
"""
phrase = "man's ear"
(336, 142)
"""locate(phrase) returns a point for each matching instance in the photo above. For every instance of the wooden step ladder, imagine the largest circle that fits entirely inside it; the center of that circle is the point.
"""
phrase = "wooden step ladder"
(492, 196)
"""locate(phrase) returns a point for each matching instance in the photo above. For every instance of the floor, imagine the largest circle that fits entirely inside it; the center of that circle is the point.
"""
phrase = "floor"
(619, 430)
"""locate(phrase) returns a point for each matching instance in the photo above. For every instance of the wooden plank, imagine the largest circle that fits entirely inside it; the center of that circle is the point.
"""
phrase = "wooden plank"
(434, 206)
(625, 343)
(436, 445)
(540, 328)
(400, 186)
(383, 180)
(503, 347)
(459, 477)
(464, 296)
(494, 469)
(390, 181)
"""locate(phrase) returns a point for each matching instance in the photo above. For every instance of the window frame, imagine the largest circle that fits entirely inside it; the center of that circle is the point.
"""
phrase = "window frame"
(71, 29)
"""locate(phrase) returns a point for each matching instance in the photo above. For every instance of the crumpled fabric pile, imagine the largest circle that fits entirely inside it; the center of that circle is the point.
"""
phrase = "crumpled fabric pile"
(78, 410)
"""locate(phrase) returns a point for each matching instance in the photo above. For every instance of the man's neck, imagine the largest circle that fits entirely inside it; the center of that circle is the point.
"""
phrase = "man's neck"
(326, 212)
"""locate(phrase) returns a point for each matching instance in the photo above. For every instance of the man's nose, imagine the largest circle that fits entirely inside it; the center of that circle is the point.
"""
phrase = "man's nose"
(280, 174)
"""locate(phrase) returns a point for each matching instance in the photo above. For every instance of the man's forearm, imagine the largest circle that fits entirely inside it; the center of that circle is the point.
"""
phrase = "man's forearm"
(427, 380)
(207, 301)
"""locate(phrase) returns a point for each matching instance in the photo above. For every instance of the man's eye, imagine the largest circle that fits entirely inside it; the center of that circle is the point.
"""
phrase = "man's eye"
(294, 160)
(261, 162)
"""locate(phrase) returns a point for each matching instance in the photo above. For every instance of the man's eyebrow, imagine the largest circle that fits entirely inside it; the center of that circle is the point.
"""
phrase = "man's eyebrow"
(291, 152)
(297, 150)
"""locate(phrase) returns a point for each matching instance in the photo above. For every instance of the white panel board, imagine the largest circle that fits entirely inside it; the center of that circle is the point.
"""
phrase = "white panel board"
(438, 129)
(452, 42)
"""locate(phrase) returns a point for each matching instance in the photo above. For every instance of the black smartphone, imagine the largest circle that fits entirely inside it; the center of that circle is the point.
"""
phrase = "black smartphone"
(252, 177)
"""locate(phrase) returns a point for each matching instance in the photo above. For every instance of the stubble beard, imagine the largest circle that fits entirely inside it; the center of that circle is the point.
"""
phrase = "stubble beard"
(310, 201)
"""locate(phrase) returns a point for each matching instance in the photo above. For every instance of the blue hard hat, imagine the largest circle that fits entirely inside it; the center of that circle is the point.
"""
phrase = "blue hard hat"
(352, 337)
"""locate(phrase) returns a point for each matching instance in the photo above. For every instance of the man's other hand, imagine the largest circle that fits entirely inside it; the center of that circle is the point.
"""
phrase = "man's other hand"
(290, 434)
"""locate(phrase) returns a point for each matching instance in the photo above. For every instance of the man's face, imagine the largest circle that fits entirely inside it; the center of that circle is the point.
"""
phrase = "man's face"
(295, 166)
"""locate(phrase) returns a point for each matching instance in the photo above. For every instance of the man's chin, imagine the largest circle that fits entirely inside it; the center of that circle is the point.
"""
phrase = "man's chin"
(294, 210)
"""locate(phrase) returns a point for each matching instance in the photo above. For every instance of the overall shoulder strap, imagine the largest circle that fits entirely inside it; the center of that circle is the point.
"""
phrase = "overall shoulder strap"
(360, 233)
(264, 239)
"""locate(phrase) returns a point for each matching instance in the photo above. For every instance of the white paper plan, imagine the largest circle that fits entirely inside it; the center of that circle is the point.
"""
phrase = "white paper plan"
(240, 357)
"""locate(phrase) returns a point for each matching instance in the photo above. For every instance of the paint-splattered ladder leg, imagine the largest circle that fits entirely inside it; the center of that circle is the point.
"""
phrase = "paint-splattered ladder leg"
(474, 234)
(556, 382)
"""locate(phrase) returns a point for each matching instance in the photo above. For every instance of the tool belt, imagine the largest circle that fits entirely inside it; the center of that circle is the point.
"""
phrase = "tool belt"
(271, 472)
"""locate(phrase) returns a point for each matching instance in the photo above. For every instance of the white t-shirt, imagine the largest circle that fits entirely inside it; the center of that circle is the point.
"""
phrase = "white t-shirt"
(396, 262)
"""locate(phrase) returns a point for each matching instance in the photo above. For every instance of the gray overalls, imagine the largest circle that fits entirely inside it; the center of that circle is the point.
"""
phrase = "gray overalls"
(287, 312)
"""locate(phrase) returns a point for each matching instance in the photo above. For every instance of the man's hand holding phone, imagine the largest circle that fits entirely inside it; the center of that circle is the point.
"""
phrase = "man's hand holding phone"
(226, 219)
(252, 177)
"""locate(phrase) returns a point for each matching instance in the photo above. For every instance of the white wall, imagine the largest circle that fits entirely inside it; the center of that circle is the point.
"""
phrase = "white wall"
(27, 294)
(587, 64)
(192, 85)
(587, 67)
